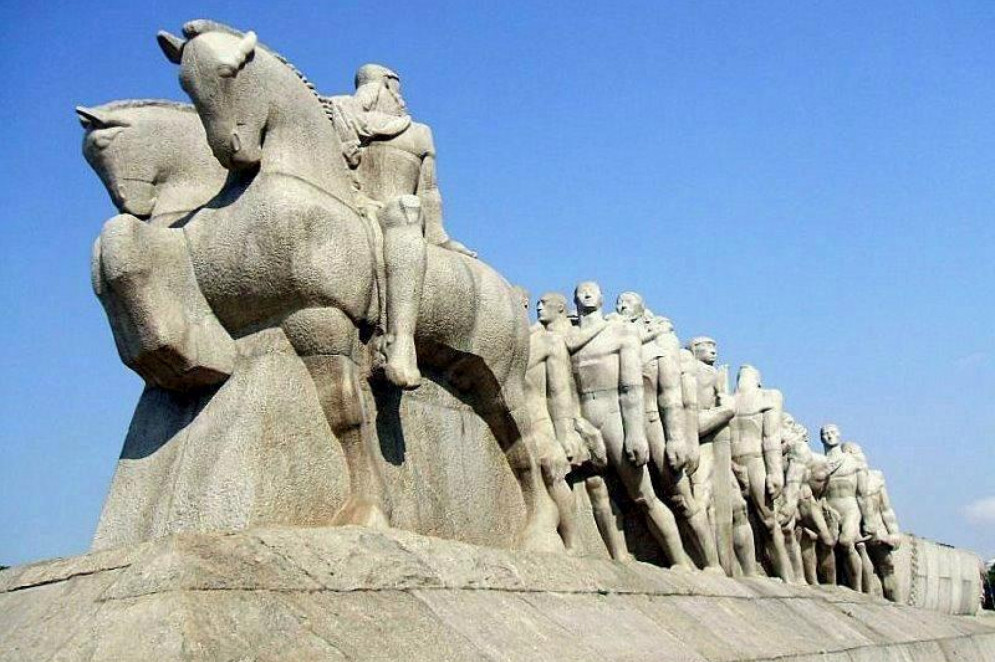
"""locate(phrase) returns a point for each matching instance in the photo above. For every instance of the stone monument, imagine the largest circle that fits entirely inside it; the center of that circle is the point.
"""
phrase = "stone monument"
(352, 445)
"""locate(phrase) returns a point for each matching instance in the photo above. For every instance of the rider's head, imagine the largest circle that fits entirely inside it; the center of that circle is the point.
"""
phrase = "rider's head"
(748, 377)
(379, 88)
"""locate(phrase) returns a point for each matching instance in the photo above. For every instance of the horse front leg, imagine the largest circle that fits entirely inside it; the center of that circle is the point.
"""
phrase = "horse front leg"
(163, 326)
(324, 338)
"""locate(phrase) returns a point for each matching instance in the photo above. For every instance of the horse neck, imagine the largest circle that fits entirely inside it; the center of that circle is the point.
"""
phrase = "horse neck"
(301, 142)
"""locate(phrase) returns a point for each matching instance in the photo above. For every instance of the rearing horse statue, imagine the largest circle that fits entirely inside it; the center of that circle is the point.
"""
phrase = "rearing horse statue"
(282, 245)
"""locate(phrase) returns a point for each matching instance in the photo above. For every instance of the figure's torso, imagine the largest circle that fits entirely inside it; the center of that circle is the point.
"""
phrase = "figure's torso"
(392, 166)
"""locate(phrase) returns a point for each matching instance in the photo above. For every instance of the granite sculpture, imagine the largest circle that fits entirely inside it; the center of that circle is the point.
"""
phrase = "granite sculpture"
(318, 352)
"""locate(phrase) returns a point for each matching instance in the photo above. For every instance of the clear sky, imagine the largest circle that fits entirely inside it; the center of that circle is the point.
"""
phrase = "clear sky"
(813, 186)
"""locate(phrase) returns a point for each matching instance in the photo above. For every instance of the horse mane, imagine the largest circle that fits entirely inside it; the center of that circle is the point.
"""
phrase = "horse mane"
(126, 104)
(199, 26)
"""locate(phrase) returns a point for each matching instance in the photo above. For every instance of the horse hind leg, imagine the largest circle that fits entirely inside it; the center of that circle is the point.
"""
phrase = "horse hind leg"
(324, 339)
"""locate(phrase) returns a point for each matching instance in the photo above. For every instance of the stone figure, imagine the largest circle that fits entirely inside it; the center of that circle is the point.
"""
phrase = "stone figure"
(283, 248)
(666, 420)
(392, 155)
(548, 382)
(592, 460)
(712, 480)
(845, 493)
(880, 528)
(755, 432)
(608, 372)
(795, 456)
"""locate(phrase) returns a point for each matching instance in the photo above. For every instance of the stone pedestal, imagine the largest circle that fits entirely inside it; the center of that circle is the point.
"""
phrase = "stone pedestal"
(359, 594)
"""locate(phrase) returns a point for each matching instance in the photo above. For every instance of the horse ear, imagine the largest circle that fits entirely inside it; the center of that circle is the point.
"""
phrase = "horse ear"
(90, 118)
(171, 45)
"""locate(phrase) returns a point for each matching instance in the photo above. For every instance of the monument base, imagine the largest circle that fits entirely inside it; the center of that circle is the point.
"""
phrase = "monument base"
(356, 594)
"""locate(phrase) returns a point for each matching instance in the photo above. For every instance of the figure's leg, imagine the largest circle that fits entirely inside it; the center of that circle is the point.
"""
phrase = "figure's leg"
(847, 544)
(869, 582)
(604, 517)
(884, 564)
(404, 256)
(742, 532)
(554, 466)
(793, 547)
(702, 480)
(677, 489)
(639, 485)
(809, 563)
(772, 532)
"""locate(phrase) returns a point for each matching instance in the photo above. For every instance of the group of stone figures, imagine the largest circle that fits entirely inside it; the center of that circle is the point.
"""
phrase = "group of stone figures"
(268, 207)
(618, 397)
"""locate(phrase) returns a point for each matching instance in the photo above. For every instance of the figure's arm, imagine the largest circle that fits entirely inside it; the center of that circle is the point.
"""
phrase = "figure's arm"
(712, 419)
(689, 395)
(771, 444)
(630, 395)
(889, 518)
(559, 400)
(579, 336)
(539, 347)
(670, 402)
(431, 202)
(863, 501)
(794, 475)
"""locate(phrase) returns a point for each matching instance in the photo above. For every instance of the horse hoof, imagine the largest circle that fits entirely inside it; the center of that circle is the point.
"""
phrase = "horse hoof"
(403, 376)
(361, 513)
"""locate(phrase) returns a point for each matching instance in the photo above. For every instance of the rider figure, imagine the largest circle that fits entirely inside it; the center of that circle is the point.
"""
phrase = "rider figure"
(392, 156)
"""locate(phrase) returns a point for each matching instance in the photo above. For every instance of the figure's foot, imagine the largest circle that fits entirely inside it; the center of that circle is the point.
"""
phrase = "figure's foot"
(361, 512)
(714, 570)
(402, 363)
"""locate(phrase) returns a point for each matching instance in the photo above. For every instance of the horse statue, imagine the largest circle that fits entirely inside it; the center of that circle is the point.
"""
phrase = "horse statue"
(281, 246)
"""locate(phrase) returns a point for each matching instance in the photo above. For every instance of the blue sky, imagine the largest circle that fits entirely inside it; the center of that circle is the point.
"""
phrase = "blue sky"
(813, 186)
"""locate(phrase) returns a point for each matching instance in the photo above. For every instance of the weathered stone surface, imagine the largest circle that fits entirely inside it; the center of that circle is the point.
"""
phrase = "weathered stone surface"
(351, 593)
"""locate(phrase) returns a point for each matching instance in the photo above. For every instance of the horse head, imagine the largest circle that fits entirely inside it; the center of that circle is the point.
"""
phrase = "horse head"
(146, 149)
(237, 86)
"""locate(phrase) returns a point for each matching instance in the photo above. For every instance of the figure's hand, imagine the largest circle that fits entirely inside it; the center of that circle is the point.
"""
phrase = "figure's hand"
(637, 449)
(775, 483)
(593, 441)
(677, 455)
(894, 540)
(789, 504)
(572, 445)
(694, 457)
(453, 245)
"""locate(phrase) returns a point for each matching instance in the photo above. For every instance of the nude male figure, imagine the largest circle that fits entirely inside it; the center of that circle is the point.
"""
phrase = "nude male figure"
(591, 459)
(548, 383)
(714, 414)
(666, 420)
(880, 528)
(608, 372)
(391, 156)
(755, 432)
(845, 493)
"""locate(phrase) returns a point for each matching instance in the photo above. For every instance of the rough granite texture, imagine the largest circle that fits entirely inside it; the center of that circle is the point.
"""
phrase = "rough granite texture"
(354, 593)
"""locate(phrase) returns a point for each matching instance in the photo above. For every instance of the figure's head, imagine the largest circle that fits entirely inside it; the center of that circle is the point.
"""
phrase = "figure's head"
(551, 306)
(704, 349)
(630, 305)
(830, 435)
(587, 297)
(237, 86)
(748, 377)
(658, 323)
(135, 146)
(855, 450)
(379, 88)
